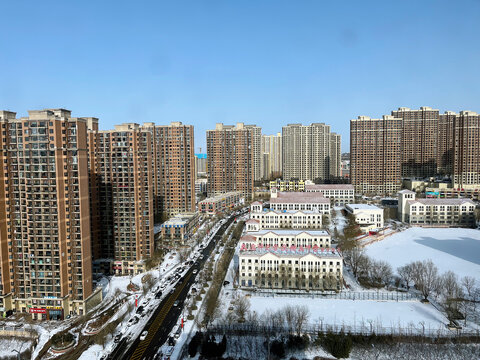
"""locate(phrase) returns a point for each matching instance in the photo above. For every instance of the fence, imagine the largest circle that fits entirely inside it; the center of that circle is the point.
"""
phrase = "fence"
(366, 328)
(344, 295)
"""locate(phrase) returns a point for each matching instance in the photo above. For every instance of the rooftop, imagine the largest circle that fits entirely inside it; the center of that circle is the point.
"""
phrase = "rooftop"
(330, 187)
(441, 201)
(300, 197)
(291, 251)
(293, 232)
(362, 207)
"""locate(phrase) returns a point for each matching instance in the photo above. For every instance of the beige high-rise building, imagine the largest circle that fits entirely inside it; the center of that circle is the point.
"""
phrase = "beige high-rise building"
(125, 188)
(230, 159)
(45, 242)
(174, 167)
(272, 156)
(375, 154)
(256, 150)
(310, 152)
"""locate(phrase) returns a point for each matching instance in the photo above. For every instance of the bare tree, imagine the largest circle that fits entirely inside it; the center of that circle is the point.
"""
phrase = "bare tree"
(302, 315)
(468, 283)
(381, 272)
(242, 306)
(354, 258)
(290, 317)
(425, 277)
(406, 274)
(451, 289)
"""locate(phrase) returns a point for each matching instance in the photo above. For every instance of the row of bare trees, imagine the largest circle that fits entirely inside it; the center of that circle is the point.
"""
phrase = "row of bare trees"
(376, 273)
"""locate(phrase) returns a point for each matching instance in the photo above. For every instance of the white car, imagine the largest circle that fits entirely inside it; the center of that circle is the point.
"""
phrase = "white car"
(195, 271)
(144, 335)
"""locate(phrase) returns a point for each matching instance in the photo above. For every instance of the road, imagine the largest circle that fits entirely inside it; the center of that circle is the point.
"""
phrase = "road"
(166, 315)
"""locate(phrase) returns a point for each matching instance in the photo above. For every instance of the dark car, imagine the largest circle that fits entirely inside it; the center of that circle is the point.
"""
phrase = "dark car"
(171, 341)
(140, 309)
(158, 295)
(117, 338)
(226, 282)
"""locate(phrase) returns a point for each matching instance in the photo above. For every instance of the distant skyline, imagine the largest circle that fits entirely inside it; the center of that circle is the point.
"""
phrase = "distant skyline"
(267, 63)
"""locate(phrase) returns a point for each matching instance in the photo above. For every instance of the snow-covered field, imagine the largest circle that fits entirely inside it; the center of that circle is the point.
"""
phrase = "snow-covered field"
(455, 249)
(358, 312)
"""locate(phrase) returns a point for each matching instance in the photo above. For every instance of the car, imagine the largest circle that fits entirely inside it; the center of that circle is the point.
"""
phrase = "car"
(140, 309)
(178, 333)
(195, 271)
(175, 303)
(226, 282)
(201, 257)
(172, 291)
(117, 338)
(193, 290)
(143, 336)
(171, 341)
(158, 295)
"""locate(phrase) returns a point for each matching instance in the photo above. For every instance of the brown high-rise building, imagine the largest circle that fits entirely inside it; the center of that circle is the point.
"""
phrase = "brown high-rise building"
(45, 242)
(375, 154)
(425, 144)
(230, 159)
(419, 141)
(466, 150)
(121, 167)
(174, 167)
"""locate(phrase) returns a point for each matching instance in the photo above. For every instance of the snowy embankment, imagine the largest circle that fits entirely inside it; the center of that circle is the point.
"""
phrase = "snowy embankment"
(454, 249)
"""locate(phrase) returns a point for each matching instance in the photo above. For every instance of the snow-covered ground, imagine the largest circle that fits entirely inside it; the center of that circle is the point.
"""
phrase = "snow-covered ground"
(354, 313)
(455, 249)
(8, 345)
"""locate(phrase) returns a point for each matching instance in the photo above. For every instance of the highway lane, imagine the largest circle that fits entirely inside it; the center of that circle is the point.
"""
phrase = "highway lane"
(165, 316)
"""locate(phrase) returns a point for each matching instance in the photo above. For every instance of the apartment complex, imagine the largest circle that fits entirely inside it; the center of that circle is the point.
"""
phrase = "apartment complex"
(299, 201)
(45, 241)
(375, 154)
(285, 238)
(414, 143)
(256, 148)
(174, 167)
(437, 212)
(368, 217)
(310, 152)
(178, 228)
(339, 194)
(200, 165)
(122, 164)
(271, 156)
(261, 218)
(230, 155)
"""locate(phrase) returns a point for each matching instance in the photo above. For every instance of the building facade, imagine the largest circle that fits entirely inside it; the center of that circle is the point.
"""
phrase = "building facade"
(286, 219)
(174, 167)
(178, 228)
(310, 152)
(272, 156)
(435, 212)
(221, 202)
(124, 173)
(375, 155)
(281, 201)
(368, 217)
(292, 185)
(339, 194)
(45, 241)
(201, 165)
(286, 238)
(230, 159)
(291, 268)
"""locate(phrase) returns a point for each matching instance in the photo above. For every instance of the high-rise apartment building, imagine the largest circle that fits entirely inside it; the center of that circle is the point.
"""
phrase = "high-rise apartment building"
(45, 241)
(256, 151)
(466, 150)
(174, 167)
(310, 152)
(124, 174)
(200, 165)
(230, 159)
(419, 144)
(271, 149)
(375, 154)
(419, 141)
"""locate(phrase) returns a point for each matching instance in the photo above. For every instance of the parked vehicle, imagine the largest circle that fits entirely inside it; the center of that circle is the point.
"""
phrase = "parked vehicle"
(144, 335)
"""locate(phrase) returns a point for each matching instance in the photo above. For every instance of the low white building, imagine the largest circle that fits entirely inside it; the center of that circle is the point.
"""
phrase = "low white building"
(201, 186)
(441, 212)
(340, 194)
(278, 219)
(299, 201)
(280, 238)
(220, 202)
(368, 217)
(291, 268)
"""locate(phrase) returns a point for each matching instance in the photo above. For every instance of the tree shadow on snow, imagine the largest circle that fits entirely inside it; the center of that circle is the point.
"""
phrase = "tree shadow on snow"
(463, 248)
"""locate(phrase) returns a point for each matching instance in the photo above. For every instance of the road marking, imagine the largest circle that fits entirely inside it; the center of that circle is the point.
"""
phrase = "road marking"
(142, 346)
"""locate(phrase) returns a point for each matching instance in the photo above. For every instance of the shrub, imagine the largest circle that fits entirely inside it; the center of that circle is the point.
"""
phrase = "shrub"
(339, 345)
(277, 348)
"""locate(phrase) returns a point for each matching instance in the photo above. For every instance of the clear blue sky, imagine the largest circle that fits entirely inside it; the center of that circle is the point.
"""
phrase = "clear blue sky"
(263, 62)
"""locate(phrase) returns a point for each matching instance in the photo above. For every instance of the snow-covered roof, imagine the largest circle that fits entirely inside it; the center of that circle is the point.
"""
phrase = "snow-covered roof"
(300, 197)
(405, 191)
(292, 251)
(330, 187)
(292, 232)
(441, 201)
(363, 207)
(252, 221)
(248, 238)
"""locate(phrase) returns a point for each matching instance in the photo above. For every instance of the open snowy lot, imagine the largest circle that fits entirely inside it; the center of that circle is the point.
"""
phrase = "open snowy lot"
(358, 313)
(453, 249)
